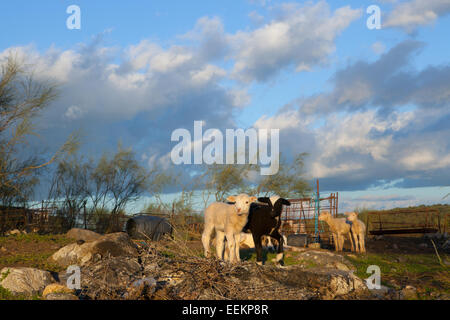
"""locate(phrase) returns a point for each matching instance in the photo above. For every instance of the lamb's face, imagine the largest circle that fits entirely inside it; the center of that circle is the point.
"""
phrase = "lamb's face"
(351, 216)
(242, 203)
(324, 216)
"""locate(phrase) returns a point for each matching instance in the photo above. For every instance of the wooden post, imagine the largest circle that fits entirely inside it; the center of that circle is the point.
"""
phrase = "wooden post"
(367, 224)
(337, 203)
(84, 214)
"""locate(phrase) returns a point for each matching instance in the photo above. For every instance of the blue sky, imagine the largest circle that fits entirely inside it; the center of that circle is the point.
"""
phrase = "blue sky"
(371, 107)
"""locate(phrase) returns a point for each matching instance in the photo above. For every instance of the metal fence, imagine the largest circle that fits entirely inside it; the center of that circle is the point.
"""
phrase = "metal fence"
(301, 217)
(406, 221)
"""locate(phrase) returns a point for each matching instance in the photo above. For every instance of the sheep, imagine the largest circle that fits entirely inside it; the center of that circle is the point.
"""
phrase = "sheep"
(339, 227)
(358, 229)
(228, 220)
(265, 220)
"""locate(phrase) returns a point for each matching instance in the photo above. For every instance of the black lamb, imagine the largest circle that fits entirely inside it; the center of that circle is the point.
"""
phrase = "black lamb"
(265, 220)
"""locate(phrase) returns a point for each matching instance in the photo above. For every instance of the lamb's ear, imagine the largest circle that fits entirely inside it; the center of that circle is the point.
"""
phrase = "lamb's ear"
(253, 199)
(264, 200)
(285, 202)
(231, 199)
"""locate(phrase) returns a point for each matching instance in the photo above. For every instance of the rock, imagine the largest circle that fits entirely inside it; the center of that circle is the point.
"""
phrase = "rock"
(409, 293)
(61, 296)
(82, 234)
(28, 281)
(56, 288)
(344, 283)
(339, 284)
(338, 266)
(341, 266)
(72, 254)
(315, 245)
(114, 245)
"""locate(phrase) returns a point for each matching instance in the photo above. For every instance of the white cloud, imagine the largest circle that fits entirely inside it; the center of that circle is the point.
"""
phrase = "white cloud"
(412, 14)
(168, 60)
(73, 113)
(207, 74)
(300, 36)
(289, 119)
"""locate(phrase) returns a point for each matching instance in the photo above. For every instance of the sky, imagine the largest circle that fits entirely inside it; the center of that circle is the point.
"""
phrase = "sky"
(371, 107)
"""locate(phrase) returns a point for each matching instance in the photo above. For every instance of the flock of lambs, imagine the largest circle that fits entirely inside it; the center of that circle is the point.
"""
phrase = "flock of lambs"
(242, 215)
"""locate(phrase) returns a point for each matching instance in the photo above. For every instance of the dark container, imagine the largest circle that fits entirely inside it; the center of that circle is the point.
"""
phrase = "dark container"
(148, 227)
(297, 240)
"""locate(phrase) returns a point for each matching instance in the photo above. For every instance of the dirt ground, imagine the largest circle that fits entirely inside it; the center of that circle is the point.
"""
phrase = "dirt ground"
(409, 261)
(30, 250)
(402, 260)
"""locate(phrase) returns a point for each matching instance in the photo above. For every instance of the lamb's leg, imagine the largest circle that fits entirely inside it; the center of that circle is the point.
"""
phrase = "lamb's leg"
(277, 236)
(206, 237)
(220, 239)
(231, 246)
(258, 248)
(237, 240)
(357, 243)
(335, 241)
(362, 243)
(338, 242)
(352, 237)
(341, 242)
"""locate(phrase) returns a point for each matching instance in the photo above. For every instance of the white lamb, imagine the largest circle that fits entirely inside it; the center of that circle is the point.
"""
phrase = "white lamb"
(227, 220)
(358, 230)
(339, 228)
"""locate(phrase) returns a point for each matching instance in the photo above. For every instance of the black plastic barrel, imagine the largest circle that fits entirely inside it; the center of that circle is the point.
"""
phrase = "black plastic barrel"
(148, 227)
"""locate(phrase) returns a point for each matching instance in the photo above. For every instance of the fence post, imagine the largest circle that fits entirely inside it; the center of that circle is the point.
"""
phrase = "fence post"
(84, 214)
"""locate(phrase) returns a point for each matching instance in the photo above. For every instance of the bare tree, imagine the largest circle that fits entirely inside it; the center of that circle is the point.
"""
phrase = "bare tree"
(69, 186)
(220, 180)
(22, 98)
(288, 182)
